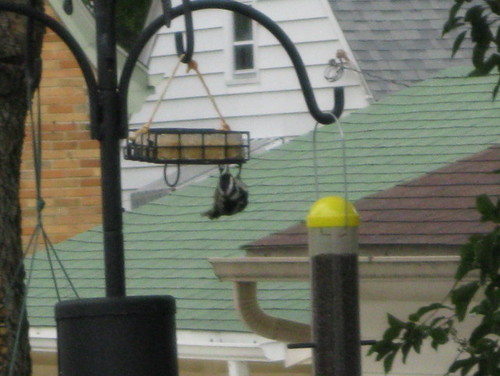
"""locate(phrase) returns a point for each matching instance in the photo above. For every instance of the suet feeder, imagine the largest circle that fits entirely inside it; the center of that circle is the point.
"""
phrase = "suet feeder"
(189, 146)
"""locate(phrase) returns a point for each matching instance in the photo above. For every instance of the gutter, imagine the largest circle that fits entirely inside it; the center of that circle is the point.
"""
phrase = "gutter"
(245, 272)
(254, 269)
(263, 324)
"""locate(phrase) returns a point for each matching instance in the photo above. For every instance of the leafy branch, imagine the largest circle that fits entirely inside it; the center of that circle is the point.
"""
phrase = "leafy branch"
(482, 23)
(476, 280)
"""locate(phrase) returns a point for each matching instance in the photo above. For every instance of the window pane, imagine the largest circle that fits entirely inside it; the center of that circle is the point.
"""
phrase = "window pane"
(242, 28)
(243, 57)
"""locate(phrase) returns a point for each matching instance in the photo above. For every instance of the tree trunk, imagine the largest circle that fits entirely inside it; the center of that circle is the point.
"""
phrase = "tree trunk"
(14, 344)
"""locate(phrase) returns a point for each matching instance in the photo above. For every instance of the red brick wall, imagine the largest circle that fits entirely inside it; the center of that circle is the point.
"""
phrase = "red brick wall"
(70, 159)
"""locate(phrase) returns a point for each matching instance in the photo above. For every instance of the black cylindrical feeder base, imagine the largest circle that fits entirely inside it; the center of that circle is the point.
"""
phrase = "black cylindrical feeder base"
(117, 336)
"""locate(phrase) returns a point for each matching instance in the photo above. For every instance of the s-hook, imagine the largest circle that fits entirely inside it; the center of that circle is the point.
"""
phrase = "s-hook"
(179, 43)
(338, 106)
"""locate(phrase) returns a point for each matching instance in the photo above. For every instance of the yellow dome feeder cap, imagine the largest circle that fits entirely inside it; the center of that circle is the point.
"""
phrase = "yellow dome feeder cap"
(331, 211)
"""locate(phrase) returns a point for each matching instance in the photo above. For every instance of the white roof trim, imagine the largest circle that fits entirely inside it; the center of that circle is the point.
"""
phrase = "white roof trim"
(200, 345)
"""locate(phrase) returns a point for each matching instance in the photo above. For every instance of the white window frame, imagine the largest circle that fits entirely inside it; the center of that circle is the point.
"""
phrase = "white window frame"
(241, 76)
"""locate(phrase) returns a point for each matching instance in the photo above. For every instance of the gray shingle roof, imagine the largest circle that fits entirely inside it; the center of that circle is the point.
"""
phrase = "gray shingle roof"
(435, 209)
(397, 42)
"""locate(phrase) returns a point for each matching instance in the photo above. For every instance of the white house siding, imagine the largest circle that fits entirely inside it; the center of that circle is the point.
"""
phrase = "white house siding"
(272, 103)
(269, 105)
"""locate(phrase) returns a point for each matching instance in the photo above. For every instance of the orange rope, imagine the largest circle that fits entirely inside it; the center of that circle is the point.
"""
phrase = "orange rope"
(193, 65)
(145, 127)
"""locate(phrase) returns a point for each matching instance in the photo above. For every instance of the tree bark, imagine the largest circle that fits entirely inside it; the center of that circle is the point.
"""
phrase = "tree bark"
(14, 342)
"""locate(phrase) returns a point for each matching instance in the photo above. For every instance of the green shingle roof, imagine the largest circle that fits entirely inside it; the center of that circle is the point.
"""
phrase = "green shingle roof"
(168, 243)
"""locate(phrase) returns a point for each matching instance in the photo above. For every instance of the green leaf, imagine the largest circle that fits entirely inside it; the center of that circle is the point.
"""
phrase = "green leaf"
(492, 292)
(494, 6)
(439, 336)
(452, 24)
(388, 362)
(382, 348)
(480, 332)
(392, 333)
(464, 364)
(484, 308)
(413, 338)
(458, 42)
(474, 14)
(486, 207)
(495, 90)
(485, 250)
(426, 309)
(437, 320)
(453, 20)
(462, 296)
(395, 322)
(405, 349)
(467, 258)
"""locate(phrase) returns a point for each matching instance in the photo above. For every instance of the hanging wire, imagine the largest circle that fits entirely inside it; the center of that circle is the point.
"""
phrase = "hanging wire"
(192, 65)
(32, 245)
(344, 163)
(36, 131)
(145, 128)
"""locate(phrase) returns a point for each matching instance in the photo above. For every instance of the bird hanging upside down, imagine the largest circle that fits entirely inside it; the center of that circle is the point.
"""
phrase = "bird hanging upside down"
(230, 197)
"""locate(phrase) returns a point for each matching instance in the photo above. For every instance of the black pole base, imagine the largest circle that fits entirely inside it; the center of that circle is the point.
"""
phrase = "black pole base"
(118, 336)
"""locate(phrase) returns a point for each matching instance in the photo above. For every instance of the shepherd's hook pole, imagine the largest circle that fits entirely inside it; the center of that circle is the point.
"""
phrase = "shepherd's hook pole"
(109, 137)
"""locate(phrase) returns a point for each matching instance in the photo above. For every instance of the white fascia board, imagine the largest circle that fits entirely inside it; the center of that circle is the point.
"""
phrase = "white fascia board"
(43, 340)
(260, 268)
(200, 345)
(228, 346)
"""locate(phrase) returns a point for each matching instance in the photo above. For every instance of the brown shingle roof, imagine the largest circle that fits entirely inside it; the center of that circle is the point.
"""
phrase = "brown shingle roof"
(435, 209)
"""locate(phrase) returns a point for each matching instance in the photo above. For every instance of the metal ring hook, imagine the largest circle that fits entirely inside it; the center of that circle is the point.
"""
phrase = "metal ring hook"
(177, 177)
(179, 42)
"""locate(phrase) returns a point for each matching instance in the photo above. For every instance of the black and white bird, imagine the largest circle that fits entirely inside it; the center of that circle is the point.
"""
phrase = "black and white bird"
(230, 197)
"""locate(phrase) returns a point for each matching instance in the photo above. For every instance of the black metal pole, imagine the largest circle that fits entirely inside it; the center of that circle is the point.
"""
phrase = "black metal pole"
(109, 136)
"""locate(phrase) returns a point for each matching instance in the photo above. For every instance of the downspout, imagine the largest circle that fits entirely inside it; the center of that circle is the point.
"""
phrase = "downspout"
(259, 322)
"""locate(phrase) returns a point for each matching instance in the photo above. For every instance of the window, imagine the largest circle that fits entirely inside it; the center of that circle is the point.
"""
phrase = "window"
(243, 49)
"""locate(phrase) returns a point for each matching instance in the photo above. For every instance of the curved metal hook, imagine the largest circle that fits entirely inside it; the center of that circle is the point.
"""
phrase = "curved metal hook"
(179, 43)
(339, 101)
(245, 10)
